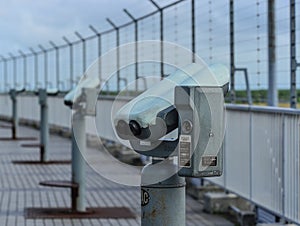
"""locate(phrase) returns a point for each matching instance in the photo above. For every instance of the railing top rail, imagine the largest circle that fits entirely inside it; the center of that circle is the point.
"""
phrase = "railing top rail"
(262, 109)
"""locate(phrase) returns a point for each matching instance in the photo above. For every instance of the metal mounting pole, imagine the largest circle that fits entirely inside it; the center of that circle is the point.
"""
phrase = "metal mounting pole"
(71, 61)
(163, 203)
(272, 89)
(57, 63)
(136, 36)
(15, 119)
(161, 20)
(83, 51)
(78, 163)
(14, 69)
(293, 91)
(44, 128)
(99, 49)
(4, 71)
(24, 67)
(45, 65)
(35, 68)
(118, 51)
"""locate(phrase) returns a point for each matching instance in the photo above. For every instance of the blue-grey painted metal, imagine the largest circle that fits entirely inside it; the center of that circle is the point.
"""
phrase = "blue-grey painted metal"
(78, 163)
(163, 202)
(44, 127)
(15, 118)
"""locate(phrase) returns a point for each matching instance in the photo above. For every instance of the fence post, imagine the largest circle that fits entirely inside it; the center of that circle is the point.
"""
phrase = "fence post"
(98, 34)
(70, 44)
(293, 94)
(161, 21)
(272, 90)
(118, 51)
(83, 51)
(4, 70)
(136, 36)
(35, 68)
(24, 68)
(57, 62)
(232, 66)
(45, 65)
(193, 31)
(14, 69)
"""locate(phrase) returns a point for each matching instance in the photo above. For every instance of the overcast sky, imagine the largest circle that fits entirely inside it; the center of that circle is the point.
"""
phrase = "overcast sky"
(26, 23)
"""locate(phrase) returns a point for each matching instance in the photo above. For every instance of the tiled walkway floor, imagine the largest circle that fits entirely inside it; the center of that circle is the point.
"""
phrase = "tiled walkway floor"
(19, 187)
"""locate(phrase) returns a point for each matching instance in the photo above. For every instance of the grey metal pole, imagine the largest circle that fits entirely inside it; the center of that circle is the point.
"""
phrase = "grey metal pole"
(57, 63)
(293, 91)
(99, 49)
(118, 51)
(24, 67)
(161, 21)
(136, 36)
(14, 69)
(163, 203)
(44, 128)
(4, 71)
(232, 63)
(71, 61)
(15, 119)
(78, 163)
(35, 68)
(45, 65)
(83, 51)
(272, 89)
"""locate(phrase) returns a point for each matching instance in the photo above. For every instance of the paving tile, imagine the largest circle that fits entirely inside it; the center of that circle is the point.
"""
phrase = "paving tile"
(19, 186)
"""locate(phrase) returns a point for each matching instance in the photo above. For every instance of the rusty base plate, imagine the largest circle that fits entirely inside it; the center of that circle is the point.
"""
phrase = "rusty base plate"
(59, 213)
(37, 162)
(31, 145)
(17, 138)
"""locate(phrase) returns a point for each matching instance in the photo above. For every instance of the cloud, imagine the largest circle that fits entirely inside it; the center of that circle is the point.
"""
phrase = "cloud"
(27, 23)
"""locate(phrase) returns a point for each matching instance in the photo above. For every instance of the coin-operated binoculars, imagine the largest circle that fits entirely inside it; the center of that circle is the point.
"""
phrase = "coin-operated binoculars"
(13, 94)
(82, 100)
(190, 105)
